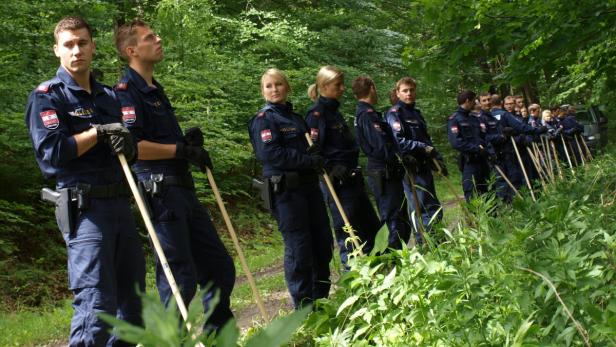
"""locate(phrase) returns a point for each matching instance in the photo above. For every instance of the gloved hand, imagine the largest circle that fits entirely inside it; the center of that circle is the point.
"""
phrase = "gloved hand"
(314, 149)
(443, 167)
(543, 129)
(409, 162)
(118, 137)
(194, 154)
(338, 172)
(316, 162)
(430, 151)
(508, 132)
(194, 137)
(558, 131)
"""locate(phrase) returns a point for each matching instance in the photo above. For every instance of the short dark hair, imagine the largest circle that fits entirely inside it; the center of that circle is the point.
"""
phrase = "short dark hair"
(466, 95)
(125, 36)
(71, 23)
(361, 86)
(496, 100)
(485, 94)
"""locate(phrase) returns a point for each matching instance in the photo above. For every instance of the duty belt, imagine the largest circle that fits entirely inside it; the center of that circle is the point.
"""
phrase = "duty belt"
(108, 191)
(185, 181)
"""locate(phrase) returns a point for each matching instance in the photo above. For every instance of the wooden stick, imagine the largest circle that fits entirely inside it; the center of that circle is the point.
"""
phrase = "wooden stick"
(537, 167)
(236, 243)
(419, 217)
(579, 150)
(586, 146)
(451, 188)
(154, 238)
(560, 170)
(507, 180)
(332, 191)
(567, 153)
(572, 153)
(517, 153)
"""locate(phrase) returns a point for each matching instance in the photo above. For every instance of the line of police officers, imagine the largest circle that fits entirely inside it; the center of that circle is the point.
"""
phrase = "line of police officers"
(78, 126)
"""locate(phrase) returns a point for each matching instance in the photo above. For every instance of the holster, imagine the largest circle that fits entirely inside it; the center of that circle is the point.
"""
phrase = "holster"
(265, 190)
(151, 188)
(66, 211)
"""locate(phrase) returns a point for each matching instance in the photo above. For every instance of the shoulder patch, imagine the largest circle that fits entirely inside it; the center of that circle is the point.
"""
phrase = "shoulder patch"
(452, 116)
(260, 114)
(454, 129)
(266, 135)
(369, 110)
(393, 109)
(128, 115)
(396, 126)
(121, 86)
(316, 114)
(50, 119)
(43, 88)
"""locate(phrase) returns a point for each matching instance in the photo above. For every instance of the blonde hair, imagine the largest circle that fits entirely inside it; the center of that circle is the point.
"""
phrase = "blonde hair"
(274, 72)
(545, 114)
(534, 107)
(325, 76)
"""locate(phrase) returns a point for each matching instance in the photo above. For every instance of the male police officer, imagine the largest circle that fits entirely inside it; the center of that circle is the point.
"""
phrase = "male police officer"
(466, 133)
(73, 120)
(195, 253)
(385, 172)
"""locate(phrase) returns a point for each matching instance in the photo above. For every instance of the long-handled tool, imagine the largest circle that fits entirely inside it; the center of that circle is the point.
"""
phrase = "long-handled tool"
(418, 215)
(567, 153)
(560, 170)
(577, 142)
(332, 191)
(538, 168)
(236, 243)
(517, 153)
(154, 238)
(452, 190)
(572, 153)
(586, 146)
(517, 193)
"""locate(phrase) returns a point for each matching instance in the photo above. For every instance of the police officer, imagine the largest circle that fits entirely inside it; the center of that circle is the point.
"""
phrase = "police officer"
(195, 253)
(416, 149)
(73, 121)
(515, 105)
(384, 170)
(329, 129)
(570, 130)
(498, 135)
(292, 190)
(466, 134)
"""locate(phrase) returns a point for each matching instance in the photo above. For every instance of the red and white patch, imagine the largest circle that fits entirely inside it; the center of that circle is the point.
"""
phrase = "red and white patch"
(369, 110)
(266, 135)
(396, 126)
(261, 114)
(377, 126)
(393, 110)
(483, 127)
(50, 119)
(122, 86)
(454, 129)
(314, 134)
(43, 88)
(316, 114)
(128, 115)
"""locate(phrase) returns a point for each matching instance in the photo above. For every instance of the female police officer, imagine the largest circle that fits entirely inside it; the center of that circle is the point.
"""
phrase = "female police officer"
(291, 170)
(329, 129)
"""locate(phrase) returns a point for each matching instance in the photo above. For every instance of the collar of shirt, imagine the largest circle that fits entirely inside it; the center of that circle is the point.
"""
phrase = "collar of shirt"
(143, 86)
(409, 107)
(284, 109)
(331, 104)
(462, 111)
(68, 81)
(364, 106)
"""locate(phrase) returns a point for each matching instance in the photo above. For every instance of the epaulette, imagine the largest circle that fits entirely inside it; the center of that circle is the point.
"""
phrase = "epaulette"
(44, 87)
(394, 109)
(452, 116)
(260, 114)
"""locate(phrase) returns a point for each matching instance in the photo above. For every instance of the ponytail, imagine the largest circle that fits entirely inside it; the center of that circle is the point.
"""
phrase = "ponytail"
(313, 92)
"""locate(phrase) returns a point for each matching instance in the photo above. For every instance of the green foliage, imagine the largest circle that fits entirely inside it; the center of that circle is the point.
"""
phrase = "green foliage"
(161, 328)
(500, 282)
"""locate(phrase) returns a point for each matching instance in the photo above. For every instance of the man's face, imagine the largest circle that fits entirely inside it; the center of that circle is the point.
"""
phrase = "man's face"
(406, 93)
(149, 48)
(509, 105)
(75, 49)
(484, 101)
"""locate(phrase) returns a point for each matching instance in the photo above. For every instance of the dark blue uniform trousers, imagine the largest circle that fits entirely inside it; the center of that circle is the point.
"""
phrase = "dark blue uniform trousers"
(392, 209)
(358, 208)
(426, 194)
(475, 175)
(195, 253)
(105, 267)
(302, 220)
(509, 164)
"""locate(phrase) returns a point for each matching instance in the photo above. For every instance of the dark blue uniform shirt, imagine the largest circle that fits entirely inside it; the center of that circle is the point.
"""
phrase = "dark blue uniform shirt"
(507, 119)
(410, 130)
(570, 125)
(57, 110)
(374, 136)
(466, 132)
(148, 114)
(277, 136)
(329, 129)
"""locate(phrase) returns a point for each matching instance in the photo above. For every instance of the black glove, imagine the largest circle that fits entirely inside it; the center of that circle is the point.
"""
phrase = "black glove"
(194, 154)
(409, 162)
(316, 162)
(314, 149)
(443, 167)
(492, 159)
(508, 132)
(194, 137)
(118, 137)
(338, 172)
(558, 131)
(431, 151)
(543, 129)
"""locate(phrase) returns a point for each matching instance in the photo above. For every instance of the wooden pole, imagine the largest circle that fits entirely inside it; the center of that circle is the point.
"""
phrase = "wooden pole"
(236, 243)
(560, 170)
(517, 153)
(507, 180)
(332, 191)
(538, 168)
(567, 153)
(579, 150)
(586, 146)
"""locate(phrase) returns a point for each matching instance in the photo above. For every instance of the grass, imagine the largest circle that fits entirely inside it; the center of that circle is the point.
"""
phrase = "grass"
(35, 327)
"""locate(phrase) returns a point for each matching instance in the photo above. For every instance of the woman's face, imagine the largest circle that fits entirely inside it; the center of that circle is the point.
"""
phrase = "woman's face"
(524, 112)
(406, 93)
(333, 89)
(274, 89)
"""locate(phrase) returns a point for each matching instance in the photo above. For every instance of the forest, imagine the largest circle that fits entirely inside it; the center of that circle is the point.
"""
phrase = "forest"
(471, 292)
